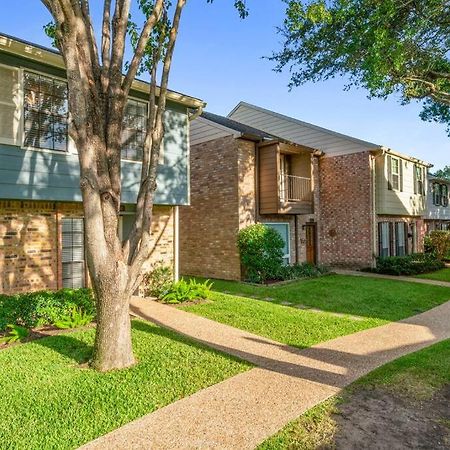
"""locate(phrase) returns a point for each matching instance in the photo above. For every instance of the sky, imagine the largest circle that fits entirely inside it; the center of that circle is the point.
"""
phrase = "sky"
(220, 59)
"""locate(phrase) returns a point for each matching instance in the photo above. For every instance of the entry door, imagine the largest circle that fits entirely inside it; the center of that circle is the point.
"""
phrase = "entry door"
(310, 230)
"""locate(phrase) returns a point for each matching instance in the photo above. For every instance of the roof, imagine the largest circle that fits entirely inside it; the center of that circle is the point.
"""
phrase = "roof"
(236, 126)
(52, 57)
(369, 145)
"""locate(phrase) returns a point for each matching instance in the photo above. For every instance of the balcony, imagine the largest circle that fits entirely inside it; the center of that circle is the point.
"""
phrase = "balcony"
(295, 189)
(285, 179)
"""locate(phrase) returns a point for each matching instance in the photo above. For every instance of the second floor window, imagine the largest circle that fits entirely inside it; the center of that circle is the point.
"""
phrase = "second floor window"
(440, 194)
(45, 112)
(134, 130)
(419, 180)
(395, 171)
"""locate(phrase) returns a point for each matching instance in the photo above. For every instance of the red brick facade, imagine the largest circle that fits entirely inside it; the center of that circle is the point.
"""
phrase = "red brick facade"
(346, 211)
(30, 243)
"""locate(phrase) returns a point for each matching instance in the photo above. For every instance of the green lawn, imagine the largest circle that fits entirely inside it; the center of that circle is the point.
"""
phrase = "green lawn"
(360, 302)
(440, 275)
(49, 401)
(415, 377)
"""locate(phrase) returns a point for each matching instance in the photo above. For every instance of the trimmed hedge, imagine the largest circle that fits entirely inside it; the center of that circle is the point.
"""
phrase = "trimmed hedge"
(409, 264)
(38, 309)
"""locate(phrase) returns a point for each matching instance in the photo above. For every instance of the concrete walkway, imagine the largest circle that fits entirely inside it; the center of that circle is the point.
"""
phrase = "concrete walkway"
(241, 412)
(357, 273)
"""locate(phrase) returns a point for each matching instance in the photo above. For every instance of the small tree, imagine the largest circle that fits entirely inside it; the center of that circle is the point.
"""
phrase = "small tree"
(384, 46)
(99, 82)
(261, 250)
(439, 243)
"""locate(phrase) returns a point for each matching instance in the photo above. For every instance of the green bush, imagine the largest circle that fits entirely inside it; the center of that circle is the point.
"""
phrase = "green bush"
(158, 281)
(409, 264)
(261, 251)
(184, 291)
(438, 242)
(301, 270)
(37, 309)
(16, 333)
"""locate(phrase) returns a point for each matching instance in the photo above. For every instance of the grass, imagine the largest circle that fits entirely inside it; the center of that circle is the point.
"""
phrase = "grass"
(49, 401)
(439, 275)
(417, 376)
(360, 302)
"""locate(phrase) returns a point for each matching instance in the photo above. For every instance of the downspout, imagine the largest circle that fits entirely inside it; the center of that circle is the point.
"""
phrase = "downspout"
(176, 243)
(374, 204)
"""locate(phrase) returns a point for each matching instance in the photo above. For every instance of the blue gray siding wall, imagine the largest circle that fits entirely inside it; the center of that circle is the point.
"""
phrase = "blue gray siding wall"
(52, 176)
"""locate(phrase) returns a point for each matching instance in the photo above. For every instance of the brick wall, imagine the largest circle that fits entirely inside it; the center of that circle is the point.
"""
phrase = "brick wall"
(30, 243)
(346, 211)
(209, 226)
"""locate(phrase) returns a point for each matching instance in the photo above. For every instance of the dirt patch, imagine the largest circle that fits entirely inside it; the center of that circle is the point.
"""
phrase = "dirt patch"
(375, 418)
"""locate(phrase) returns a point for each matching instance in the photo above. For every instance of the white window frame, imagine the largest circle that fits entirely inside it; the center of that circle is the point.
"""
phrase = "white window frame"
(71, 148)
(395, 174)
(19, 103)
(288, 255)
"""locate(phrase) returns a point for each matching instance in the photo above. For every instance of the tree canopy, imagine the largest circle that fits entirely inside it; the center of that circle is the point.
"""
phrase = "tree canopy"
(443, 173)
(385, 46)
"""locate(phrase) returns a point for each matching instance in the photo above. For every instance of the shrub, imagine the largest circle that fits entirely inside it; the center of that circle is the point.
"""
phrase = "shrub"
(16, 333)
(37, 309)
(303, 270)
(157, 282)
(261, 251)
(184, 291)
(438, 242)
(76, 318)
(409, 264)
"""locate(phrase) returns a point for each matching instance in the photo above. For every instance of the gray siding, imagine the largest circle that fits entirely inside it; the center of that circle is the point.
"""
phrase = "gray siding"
(51, 176)
(203, 130)
(302, 133)
(435, 212)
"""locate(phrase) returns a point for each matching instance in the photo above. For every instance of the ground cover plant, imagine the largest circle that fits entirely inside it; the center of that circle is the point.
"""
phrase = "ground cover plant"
(38, 309)
(415, 386)
(408, 265)
(317, 309)
(49, 401)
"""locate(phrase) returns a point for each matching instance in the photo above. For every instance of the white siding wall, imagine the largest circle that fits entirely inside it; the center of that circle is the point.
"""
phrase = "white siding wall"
(396, 202)
(330, 142)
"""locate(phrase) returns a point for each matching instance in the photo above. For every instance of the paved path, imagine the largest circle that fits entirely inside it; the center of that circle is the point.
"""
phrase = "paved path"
(357, 273)
(244, 410)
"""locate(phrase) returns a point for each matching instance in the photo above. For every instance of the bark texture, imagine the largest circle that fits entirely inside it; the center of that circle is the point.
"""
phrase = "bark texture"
(98, 91)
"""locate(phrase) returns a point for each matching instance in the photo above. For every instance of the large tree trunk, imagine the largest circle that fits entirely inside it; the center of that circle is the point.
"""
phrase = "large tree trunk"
(113, 348)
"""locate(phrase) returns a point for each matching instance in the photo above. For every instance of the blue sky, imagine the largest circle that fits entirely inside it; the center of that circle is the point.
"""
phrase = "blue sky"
(219, 59)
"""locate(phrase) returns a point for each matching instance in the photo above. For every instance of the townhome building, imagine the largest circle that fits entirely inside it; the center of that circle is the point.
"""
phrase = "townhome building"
(437, 216)
(41, 214)
(336, 200)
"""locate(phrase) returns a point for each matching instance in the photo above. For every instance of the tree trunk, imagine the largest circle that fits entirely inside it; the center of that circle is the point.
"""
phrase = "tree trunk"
(113, 348)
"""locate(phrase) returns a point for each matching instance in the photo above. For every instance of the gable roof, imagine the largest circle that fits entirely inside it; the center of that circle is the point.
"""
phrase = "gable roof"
(236, 126)
(330, 142)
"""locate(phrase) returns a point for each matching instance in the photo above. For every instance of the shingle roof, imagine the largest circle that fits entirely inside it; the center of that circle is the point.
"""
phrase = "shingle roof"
(237, 126)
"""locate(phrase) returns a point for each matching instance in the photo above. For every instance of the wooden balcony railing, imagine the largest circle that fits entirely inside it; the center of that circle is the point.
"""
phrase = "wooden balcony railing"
(295, 189)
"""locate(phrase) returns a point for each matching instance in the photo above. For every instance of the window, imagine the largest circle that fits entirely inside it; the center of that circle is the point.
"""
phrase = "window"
(45, 112)
(134, 129)
(73, 268)
(283, 230)
(395, 173)
(384, 239)
(444, 195)
(9, 105)
(419, 183)
(440, 194)
(400, 239)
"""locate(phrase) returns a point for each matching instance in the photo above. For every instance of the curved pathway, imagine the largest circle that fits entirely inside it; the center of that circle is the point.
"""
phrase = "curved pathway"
(241, 412)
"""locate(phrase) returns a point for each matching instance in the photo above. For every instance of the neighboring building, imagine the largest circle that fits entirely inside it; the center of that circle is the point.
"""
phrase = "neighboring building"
(437, 215)
(337, 200)
(41, 216)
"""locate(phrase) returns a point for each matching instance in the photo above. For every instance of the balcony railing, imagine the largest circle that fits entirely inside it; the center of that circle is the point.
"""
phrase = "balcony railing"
(295, 189)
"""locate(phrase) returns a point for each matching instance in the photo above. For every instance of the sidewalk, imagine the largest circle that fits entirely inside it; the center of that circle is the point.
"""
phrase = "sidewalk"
(244, 410)
(357, 273)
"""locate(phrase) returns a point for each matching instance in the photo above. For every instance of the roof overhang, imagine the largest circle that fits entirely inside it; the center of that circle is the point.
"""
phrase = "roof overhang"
(53, 58)
(389, 151)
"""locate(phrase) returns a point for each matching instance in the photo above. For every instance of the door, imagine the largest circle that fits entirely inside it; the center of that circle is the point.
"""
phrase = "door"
(310, 231)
